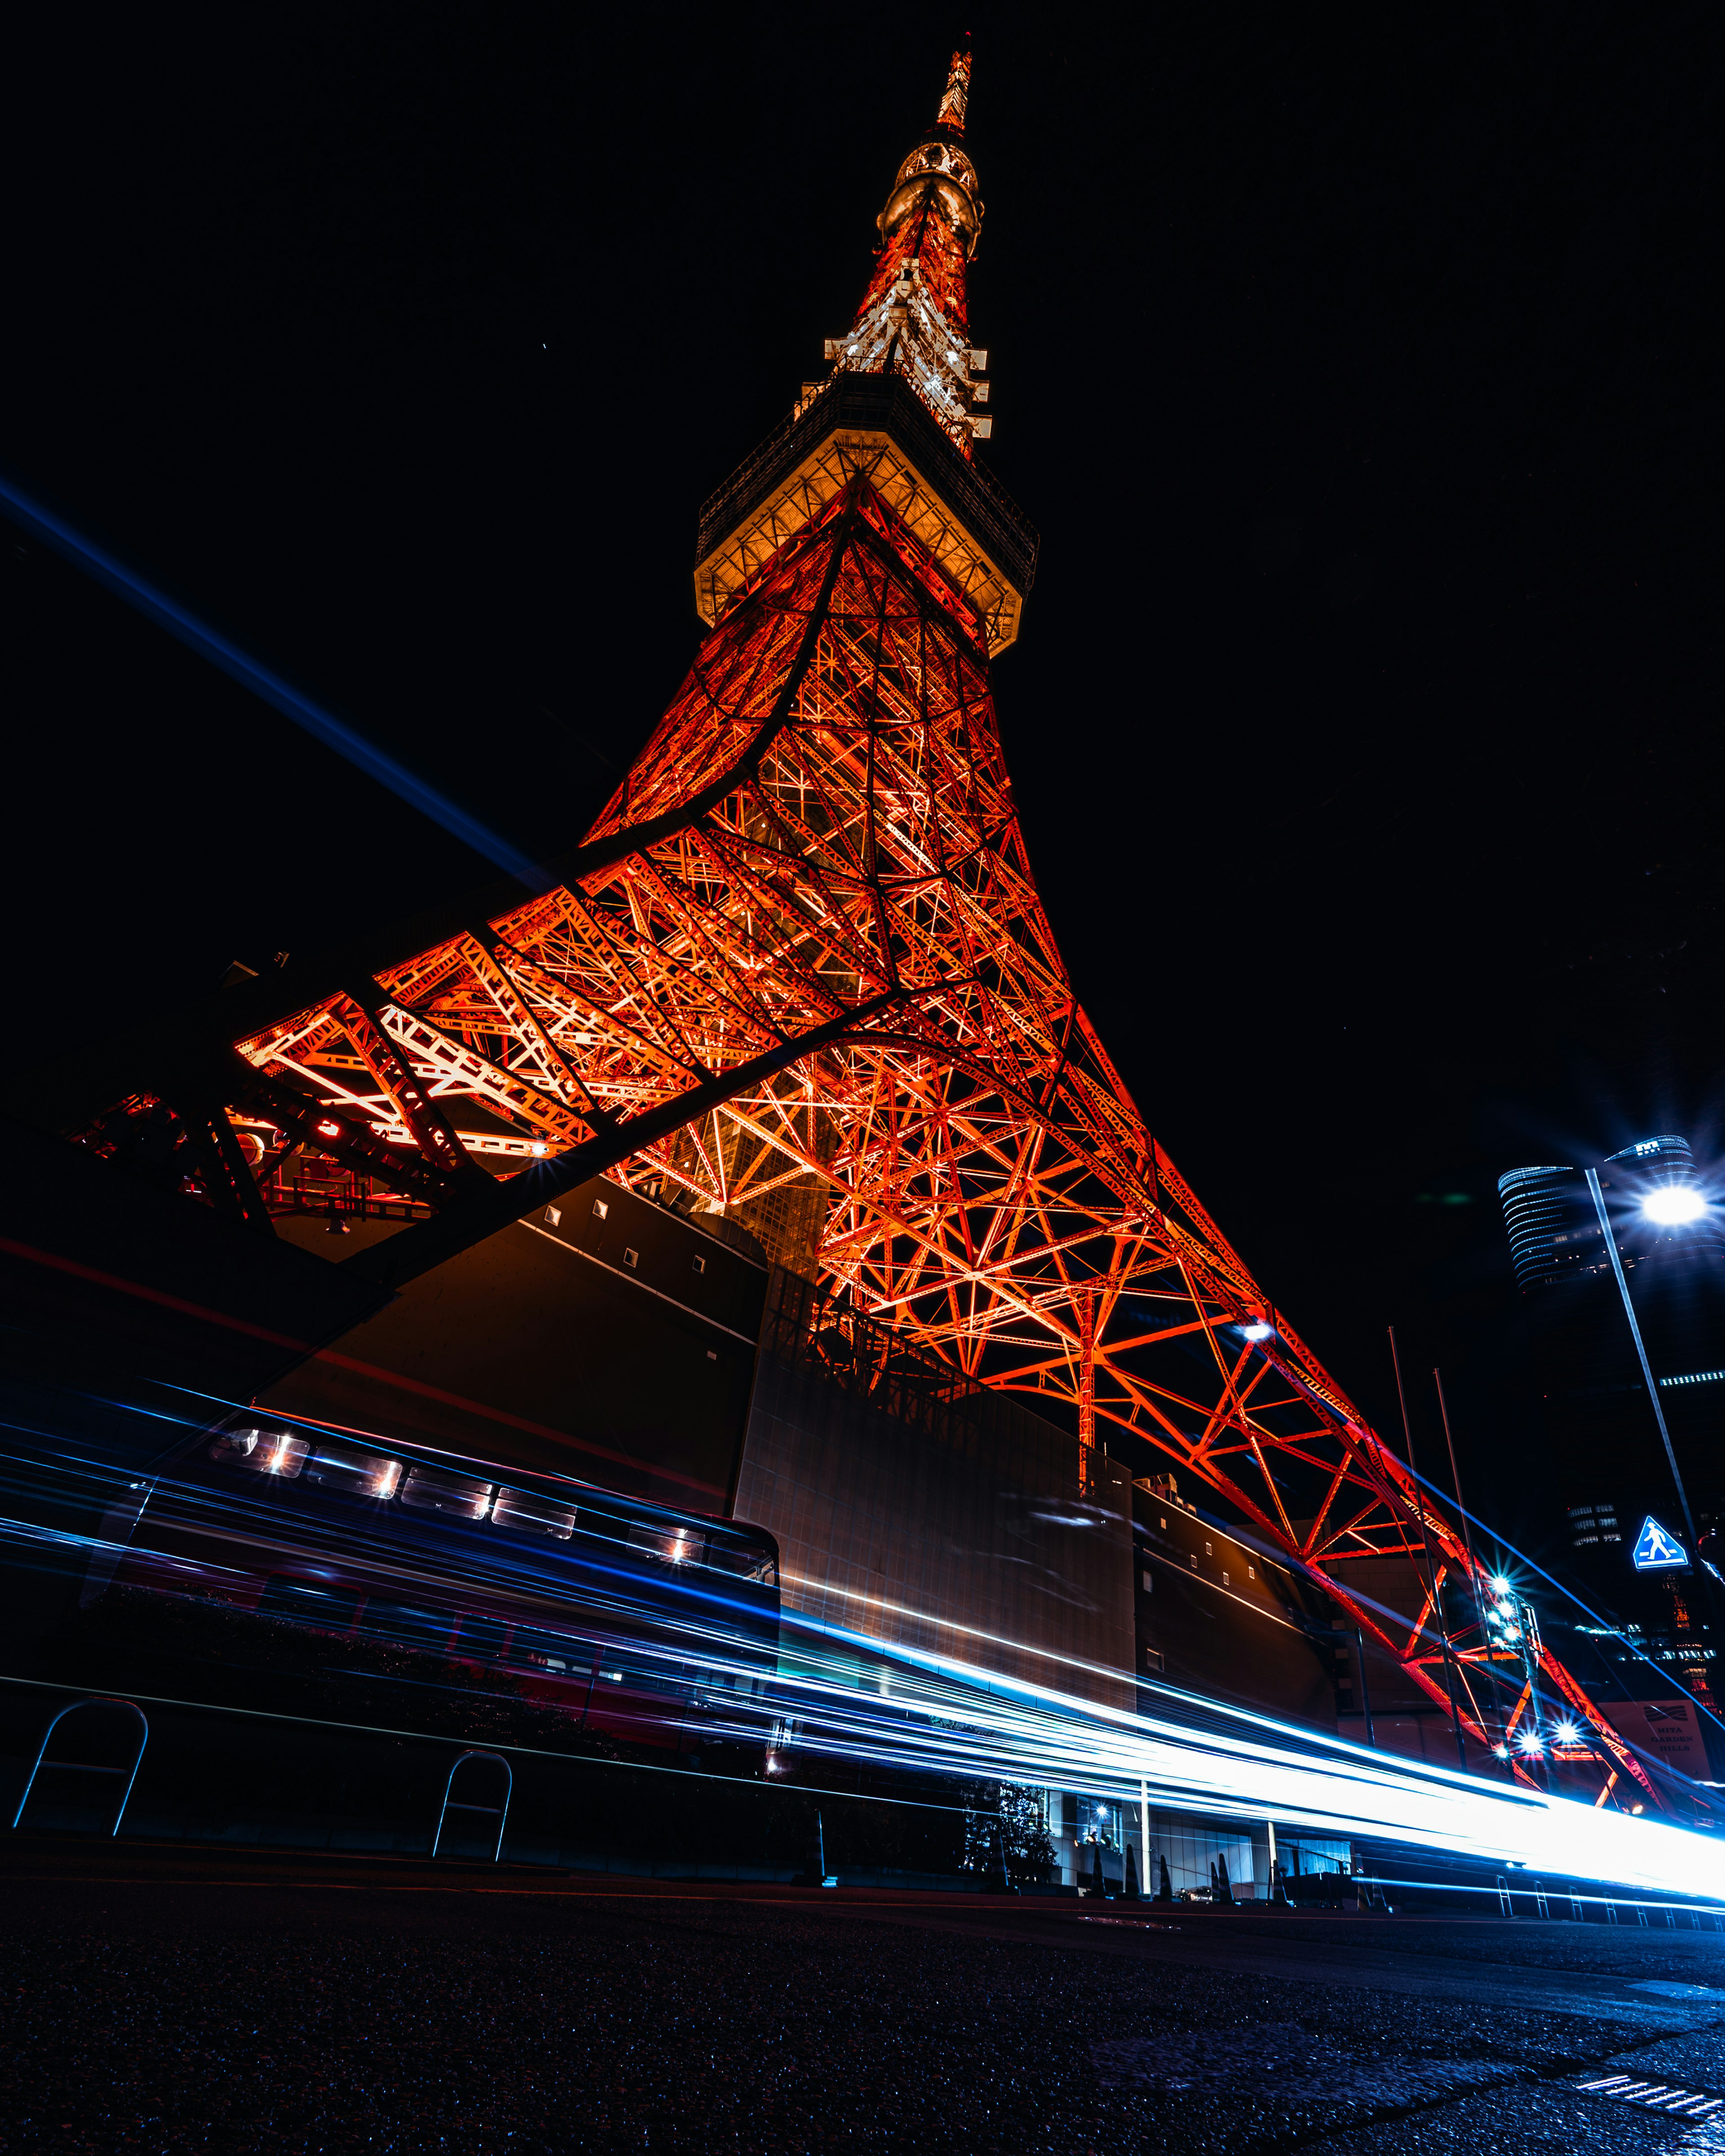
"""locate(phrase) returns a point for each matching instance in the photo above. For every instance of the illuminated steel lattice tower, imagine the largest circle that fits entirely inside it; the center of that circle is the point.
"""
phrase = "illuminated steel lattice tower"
(800, 972)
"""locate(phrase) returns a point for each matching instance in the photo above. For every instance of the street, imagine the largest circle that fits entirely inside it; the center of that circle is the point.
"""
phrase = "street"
(166, 1998)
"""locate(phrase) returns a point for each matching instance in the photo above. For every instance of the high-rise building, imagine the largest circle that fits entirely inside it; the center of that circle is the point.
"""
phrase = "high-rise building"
(1623, 1268)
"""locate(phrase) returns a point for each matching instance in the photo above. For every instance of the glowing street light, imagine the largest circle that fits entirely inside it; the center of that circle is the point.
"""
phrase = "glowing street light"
(1673, 1204)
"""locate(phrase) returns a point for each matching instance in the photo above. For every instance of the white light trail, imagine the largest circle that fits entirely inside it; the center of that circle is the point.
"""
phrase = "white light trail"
(852, 1697)
(1201, 1757)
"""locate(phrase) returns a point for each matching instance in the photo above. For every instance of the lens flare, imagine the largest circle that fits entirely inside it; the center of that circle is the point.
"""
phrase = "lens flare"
(1673, 1205)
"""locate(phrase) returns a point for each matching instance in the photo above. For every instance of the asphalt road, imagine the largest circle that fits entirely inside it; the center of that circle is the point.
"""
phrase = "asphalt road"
(167, 1998)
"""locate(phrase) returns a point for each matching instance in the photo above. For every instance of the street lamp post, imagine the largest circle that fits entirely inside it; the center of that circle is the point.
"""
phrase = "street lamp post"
(1669, 1213)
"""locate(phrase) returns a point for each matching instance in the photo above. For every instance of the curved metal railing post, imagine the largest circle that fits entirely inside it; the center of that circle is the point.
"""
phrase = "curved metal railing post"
(80, 1767)
(499, 1812)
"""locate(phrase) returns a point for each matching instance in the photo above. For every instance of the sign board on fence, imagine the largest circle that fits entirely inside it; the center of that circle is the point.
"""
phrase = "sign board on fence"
(1669, 1729)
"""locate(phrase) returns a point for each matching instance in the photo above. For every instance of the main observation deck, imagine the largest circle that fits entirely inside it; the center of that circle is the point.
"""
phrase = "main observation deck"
(975, 533)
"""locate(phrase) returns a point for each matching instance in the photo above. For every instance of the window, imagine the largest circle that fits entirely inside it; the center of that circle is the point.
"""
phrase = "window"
(520, 1508)
(1251, 1571)
(670, 1544)
(600, 1210)
(698, 1265)
(554, 1215)
(713, 1354)
(280, 1453)
(743, 1560)
(1194, 1560)
(1163, 1524)
(1207, 1549)
(1153, 1658)
(1226, 1582)
(1149, 1583)
(426, 1489)
(631, 1259)
(365, 1474)
(269, 1451)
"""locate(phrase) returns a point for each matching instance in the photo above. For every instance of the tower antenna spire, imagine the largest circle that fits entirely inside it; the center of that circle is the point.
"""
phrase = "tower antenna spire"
(956, 93)
(914, 316)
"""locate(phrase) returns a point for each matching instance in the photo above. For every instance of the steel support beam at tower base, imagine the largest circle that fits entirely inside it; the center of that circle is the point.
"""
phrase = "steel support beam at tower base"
(429, 1242)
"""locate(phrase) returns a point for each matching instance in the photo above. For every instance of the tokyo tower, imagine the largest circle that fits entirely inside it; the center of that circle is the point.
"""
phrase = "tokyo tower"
(798, 972)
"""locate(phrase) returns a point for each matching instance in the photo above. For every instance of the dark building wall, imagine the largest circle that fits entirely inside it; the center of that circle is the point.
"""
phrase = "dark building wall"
(1215, 1616)
(615, 1344)
(911, 1505)
(918, 1510)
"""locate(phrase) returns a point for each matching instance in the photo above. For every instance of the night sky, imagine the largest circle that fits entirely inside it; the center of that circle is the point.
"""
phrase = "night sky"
(1353, 367)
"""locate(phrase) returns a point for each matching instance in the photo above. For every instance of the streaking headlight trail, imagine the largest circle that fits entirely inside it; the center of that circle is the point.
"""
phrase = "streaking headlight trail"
(1198, 1755)
(602, 1606)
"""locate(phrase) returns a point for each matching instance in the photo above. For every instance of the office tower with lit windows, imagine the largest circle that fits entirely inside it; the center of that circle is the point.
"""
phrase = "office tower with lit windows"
(1637, 1238)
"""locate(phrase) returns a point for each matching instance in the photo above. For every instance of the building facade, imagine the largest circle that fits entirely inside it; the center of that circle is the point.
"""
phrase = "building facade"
(1222, 1617)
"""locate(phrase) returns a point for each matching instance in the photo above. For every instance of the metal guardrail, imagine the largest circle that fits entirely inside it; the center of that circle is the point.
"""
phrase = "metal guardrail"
(883, 403)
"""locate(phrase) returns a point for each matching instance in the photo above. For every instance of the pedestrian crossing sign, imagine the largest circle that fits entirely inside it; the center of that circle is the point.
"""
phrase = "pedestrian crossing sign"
(1655, 1551)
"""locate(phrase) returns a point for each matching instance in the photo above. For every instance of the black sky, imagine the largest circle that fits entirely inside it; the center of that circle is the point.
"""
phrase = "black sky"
(1355, 369)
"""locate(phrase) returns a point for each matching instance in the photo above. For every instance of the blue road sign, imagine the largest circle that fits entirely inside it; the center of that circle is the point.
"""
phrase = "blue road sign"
(1655, 1551)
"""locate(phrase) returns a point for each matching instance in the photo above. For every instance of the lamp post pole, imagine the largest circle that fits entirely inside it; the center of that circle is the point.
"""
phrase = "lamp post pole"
(1629, 1312)
(1702, 1572)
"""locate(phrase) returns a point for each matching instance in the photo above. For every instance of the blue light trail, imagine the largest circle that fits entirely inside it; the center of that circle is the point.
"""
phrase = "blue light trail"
(240, 665)
(836, 1693)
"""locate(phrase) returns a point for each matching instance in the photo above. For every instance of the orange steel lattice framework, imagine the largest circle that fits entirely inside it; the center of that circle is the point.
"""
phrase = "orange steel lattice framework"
(801, 957)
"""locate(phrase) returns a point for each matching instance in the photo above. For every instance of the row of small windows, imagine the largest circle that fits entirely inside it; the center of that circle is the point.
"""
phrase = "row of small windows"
(1192, 1558)
(631, 1259)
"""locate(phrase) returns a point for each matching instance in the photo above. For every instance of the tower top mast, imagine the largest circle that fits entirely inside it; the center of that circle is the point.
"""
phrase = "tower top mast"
(956, 93)
(914, 316)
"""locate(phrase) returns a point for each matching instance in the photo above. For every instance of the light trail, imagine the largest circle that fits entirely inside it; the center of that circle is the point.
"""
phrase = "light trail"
(1243, 1765)
(240, 665)
(834, 1693)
